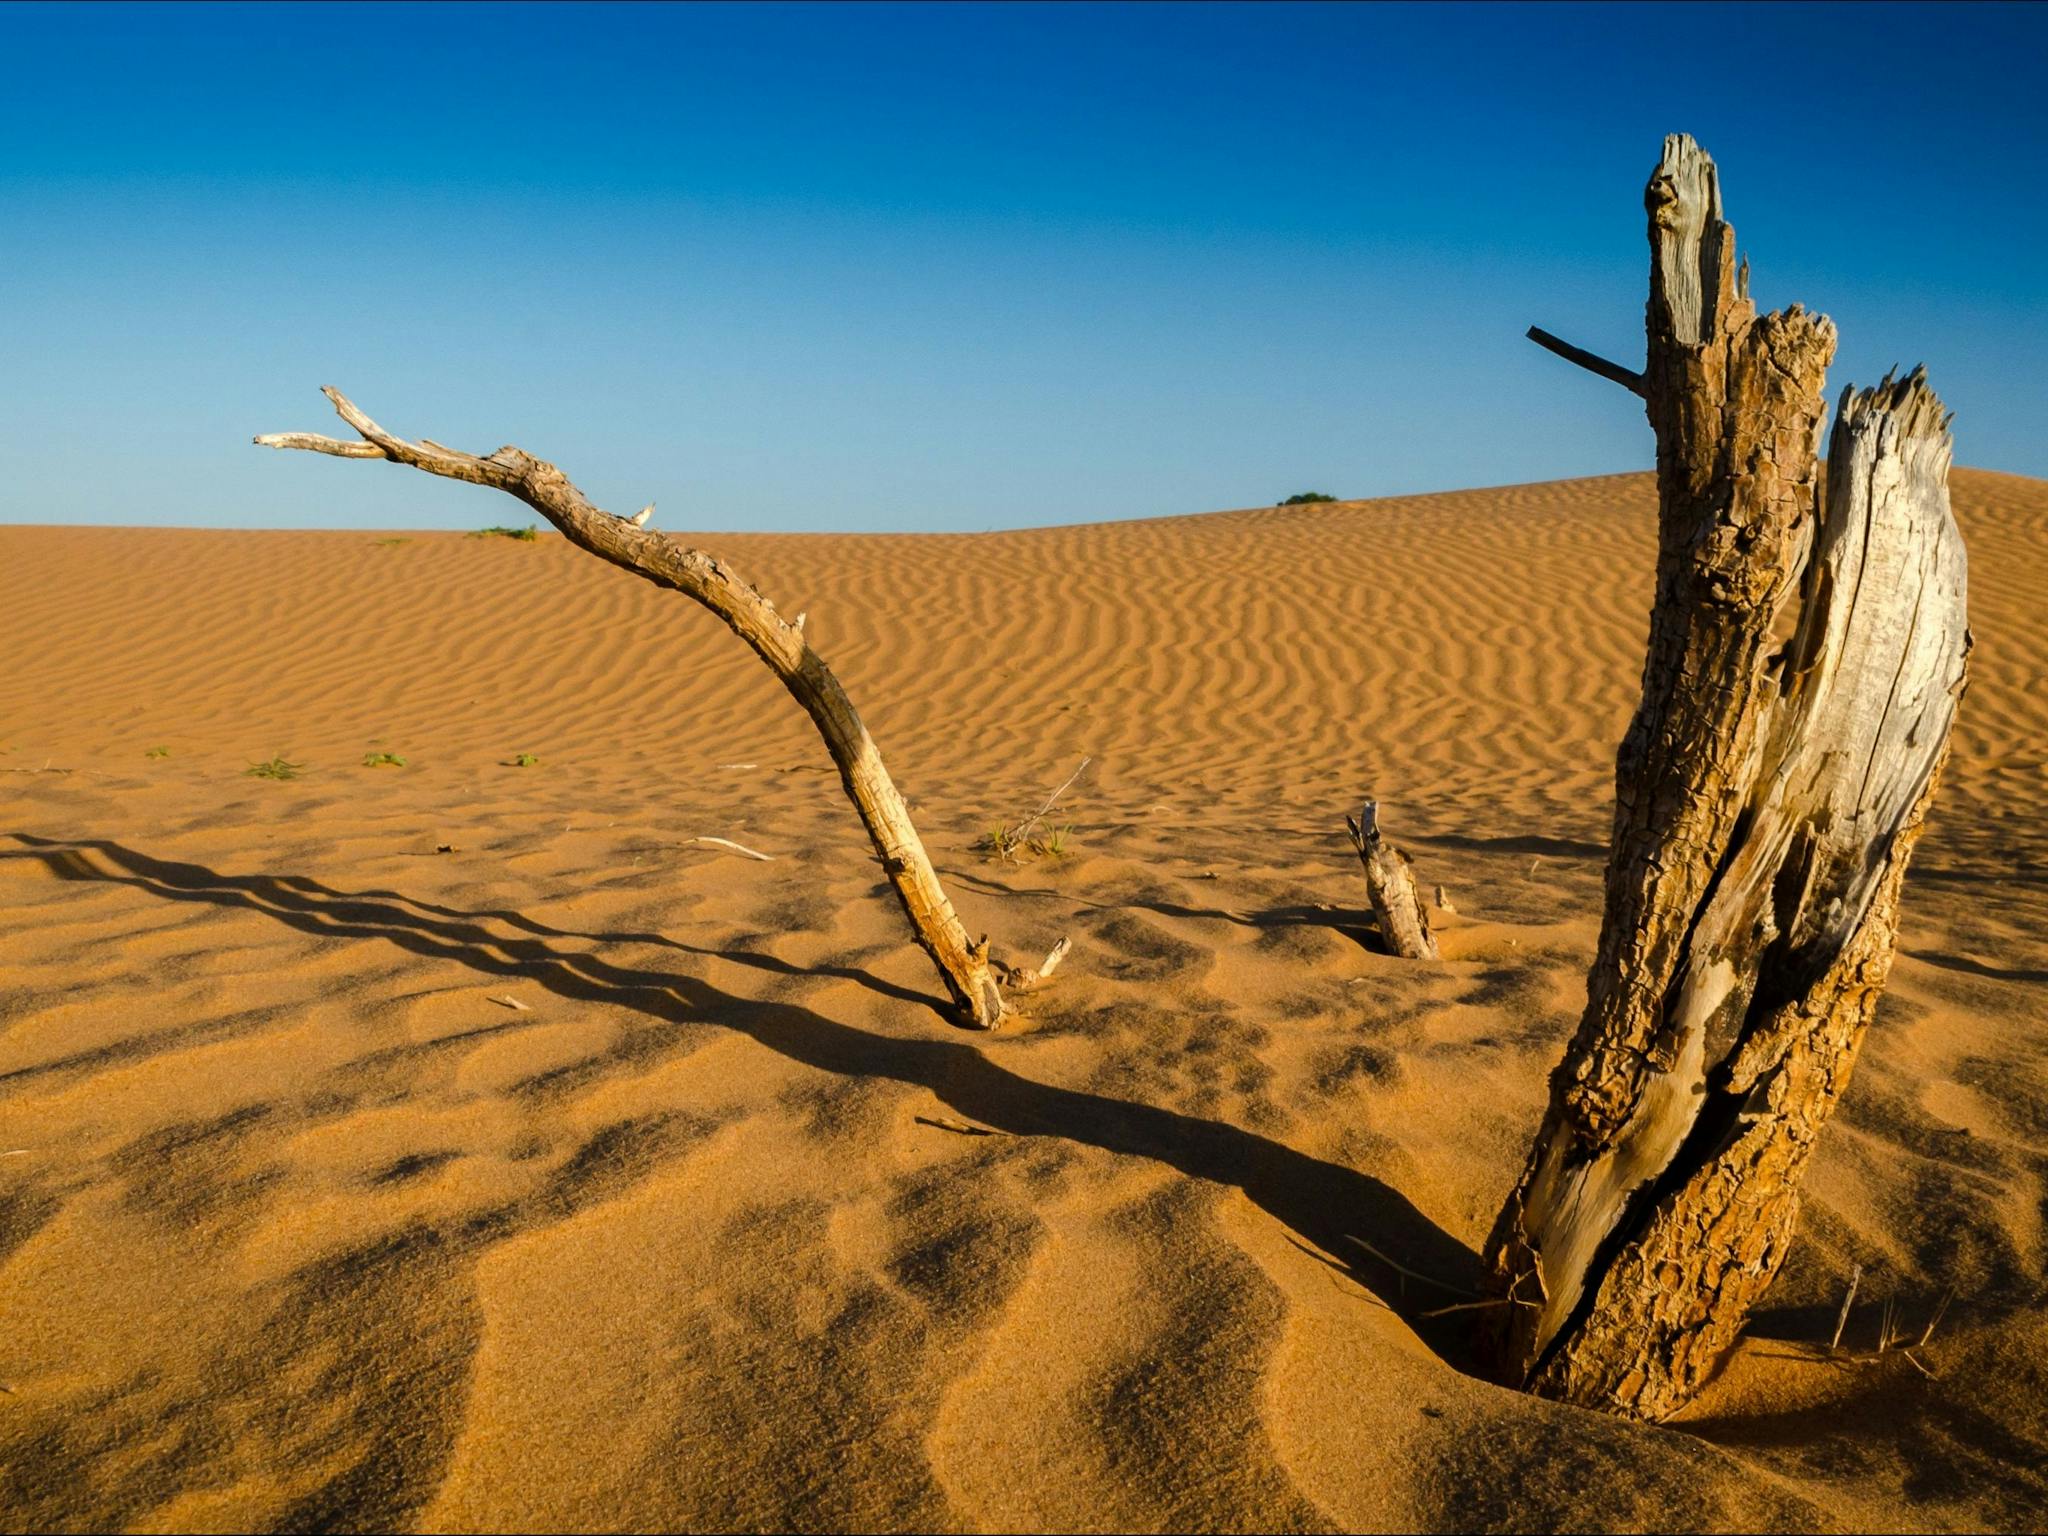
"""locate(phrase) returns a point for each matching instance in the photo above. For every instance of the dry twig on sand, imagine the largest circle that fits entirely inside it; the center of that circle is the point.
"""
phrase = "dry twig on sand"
(739, 848)
(1848, 1301)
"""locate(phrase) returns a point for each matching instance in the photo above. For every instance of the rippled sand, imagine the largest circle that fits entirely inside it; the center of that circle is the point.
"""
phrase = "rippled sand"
(303, 1223)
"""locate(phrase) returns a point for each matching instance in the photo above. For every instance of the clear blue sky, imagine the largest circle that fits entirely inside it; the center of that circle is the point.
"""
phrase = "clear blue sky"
(960, 267)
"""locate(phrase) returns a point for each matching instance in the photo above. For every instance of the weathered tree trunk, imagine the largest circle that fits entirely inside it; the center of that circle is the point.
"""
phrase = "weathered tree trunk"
(976, 997)
(1767, 802)
(1390, 883)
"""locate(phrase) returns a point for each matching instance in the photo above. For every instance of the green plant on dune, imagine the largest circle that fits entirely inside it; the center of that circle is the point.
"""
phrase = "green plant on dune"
(158, 752)
(383, 760)
(1304, 499)
(274, 767)
(1012, 844)
(526, 535)
(524, 760)
(387, 543)
(1036, 834)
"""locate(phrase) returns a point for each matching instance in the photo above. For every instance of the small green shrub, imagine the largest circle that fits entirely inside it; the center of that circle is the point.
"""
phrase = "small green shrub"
(524, 760)
(1304, 499)
(525, 535)
(1012, 844)
(383, 760)
(158, 752)
(274, 768)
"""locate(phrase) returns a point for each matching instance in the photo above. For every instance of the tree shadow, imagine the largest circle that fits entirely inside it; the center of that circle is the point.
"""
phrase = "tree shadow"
(1974, 967)
(1353, 923)
(1548, 847)
(1951, 1445)
(1335, 1209)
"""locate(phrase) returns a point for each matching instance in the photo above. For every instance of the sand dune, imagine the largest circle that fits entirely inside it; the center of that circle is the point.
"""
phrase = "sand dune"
(461, 1146)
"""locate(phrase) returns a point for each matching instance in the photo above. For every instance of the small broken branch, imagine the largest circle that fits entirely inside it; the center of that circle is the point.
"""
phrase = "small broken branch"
(1404, 1271)
(625, 542)
(739, 848)
(1940, 1311)
(1848, 1301)
(1058, 952)
(1592, 362)
(1390, 883)
(1472, 1306)
(1021, 979)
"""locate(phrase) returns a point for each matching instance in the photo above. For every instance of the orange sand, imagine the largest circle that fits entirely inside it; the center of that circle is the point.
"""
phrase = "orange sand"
(301, 1224)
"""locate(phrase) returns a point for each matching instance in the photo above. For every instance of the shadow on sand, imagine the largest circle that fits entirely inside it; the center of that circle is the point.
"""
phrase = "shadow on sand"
(1332, 1208)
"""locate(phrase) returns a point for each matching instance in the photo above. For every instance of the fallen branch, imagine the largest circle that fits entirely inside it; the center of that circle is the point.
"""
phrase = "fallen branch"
(1058, 953)
(977, 999)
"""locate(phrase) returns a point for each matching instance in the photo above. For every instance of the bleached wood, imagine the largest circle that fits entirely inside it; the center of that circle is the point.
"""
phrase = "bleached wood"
(977, 999)
(739, 848)
(1390, 886)
(1766, 805)
(1052, 959)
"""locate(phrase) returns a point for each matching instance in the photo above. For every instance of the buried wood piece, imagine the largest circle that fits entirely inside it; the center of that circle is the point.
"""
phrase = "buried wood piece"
(1767, 800)
(1390, 883)
(1052, 959)
(976, 998)
(1023, 979)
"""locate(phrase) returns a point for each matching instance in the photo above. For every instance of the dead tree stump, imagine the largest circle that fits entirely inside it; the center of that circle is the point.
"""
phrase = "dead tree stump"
(626, 542)
(1390, 884)
(1767, 800)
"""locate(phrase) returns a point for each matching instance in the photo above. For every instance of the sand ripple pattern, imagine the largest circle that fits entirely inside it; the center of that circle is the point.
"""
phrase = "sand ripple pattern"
(465, 1147)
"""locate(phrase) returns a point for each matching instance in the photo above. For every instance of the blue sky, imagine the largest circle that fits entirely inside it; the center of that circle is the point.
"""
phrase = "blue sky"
(960, 267)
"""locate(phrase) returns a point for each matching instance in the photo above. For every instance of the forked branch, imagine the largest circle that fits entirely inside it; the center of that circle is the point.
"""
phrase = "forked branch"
(624, 541)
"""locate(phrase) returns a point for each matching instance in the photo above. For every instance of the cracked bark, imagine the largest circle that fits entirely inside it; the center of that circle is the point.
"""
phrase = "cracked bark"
(1390, 886)
(1767, 800)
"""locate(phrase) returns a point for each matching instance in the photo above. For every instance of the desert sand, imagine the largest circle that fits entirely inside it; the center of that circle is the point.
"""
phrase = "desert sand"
(462, 1145)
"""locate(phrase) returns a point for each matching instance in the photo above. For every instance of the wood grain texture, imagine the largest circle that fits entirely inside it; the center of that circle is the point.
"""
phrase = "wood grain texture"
(1767, 800)
(1390, 885)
